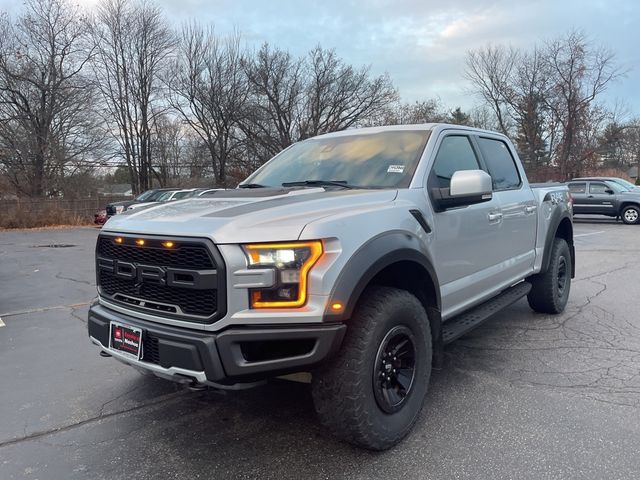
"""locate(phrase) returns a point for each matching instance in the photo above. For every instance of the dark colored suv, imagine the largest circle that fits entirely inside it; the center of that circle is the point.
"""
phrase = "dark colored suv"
(605, 197)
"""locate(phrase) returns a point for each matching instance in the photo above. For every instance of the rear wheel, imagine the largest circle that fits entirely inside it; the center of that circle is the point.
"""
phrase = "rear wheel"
(631, 214)
(372, 392)
(550, 291)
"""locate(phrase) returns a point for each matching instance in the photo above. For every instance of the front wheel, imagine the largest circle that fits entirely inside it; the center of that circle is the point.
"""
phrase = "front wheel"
(372, 392)
(550, 290)
(631, 214)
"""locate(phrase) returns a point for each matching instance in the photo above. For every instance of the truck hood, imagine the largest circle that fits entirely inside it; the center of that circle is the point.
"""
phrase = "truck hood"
(240, 216)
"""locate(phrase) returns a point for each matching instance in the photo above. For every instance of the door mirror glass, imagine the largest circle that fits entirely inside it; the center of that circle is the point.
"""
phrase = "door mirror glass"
(467, 187)
(609, 191)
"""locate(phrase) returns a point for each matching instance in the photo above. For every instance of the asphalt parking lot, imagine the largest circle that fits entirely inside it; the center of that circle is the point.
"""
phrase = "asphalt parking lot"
(524, 396)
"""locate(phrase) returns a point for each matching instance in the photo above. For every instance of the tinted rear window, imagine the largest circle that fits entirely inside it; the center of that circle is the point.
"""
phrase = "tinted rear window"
(502, 166)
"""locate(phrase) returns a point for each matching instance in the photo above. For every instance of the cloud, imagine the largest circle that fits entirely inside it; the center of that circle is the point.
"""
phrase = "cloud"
(421, 43)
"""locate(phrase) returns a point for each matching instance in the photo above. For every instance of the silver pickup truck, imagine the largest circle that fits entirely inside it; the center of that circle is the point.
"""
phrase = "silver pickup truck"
(353, 256)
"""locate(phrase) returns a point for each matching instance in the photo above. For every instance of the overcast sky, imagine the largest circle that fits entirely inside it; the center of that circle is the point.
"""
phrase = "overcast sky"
(422, 43)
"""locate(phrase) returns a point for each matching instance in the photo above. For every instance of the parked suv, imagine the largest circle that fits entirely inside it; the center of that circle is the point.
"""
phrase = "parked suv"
(355, 256)
(605, 197)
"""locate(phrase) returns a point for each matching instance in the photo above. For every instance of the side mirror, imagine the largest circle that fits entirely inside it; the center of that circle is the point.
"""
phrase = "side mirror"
(467, 187)
(609, 191)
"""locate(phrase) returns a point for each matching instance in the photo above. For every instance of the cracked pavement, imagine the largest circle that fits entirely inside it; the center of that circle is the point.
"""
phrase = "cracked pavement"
(523, 396)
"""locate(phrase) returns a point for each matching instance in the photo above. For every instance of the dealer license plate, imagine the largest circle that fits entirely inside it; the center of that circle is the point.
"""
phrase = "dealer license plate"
(126, 339)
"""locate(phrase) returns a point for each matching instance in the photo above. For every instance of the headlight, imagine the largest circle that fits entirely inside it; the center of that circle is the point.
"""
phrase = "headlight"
(292, 262)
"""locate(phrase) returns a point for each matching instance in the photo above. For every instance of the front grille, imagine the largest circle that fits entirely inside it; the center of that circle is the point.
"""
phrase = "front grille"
(123, 277)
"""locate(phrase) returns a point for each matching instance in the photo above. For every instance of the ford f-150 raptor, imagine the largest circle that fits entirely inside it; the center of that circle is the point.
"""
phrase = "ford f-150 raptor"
(354, 256)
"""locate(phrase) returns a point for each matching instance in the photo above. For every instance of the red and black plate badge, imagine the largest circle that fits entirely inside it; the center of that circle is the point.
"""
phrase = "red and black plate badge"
(126, 339)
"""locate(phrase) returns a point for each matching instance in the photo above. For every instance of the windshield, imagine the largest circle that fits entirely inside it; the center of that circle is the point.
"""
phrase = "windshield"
(144, 196)
(180, 195)
(375, 160)
(616, 187)
(163, 197)
(624, 183)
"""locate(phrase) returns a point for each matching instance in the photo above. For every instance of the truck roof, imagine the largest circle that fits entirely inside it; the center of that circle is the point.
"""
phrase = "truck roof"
(416, 126)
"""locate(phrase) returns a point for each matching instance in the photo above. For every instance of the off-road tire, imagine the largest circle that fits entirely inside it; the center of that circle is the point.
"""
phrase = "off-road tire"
(630, 214)
(345, 393)
(550, 291)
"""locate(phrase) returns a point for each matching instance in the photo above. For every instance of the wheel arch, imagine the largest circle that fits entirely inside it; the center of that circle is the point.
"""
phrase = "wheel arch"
(561, 227)
(628, 203)
(394, 260)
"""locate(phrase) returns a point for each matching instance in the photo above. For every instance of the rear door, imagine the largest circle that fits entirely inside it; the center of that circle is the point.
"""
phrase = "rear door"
(578, 192)
(600, 198)
(467, 239)
(518, 206)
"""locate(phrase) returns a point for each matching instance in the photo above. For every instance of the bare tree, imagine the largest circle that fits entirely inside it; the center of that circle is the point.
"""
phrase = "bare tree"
(209, 89)
(490, 70)
(168, 147)
(424, 111)
(277, 86)
(340, 96)
(45, 100)
(550, 96)
(297, 98)
(579, 74)
(133, 42)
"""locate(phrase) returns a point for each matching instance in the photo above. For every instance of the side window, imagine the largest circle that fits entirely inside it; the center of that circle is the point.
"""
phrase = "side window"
(455, 154)
(501, 164)
(577, 187)
(598, 188)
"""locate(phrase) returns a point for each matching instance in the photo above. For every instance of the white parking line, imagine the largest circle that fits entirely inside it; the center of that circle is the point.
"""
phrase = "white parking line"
(587, 234)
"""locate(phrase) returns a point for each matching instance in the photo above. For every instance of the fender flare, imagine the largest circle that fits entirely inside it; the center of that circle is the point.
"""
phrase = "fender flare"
(369, 260)
(554, 224)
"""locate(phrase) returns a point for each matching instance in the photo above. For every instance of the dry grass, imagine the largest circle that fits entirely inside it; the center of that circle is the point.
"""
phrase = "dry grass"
(18, 217)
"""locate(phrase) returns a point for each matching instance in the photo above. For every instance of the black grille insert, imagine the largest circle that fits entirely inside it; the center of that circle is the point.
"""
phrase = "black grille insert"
(150, 349)
(135, 287)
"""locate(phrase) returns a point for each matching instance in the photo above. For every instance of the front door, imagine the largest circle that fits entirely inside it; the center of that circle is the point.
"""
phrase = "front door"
(467, 239)
(600, 199)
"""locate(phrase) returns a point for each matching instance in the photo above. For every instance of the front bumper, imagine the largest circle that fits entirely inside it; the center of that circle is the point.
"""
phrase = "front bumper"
(236, 355)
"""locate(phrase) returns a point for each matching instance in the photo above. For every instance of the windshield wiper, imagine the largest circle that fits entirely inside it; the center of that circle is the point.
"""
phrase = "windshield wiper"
(252, 185)
(319, 183)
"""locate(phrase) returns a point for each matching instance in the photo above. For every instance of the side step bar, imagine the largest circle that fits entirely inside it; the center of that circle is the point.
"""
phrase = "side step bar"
(465, 322)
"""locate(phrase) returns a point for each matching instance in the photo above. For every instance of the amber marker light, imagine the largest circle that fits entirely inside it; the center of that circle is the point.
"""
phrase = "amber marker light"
(140, 242)
(119, 240)
(168, 244)
(336, 307)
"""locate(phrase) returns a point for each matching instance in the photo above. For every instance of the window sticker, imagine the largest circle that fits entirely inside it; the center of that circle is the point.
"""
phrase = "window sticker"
(395, 169)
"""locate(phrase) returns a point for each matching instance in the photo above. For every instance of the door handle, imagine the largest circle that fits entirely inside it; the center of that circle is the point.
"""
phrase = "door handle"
(530, 209)
(495, 217)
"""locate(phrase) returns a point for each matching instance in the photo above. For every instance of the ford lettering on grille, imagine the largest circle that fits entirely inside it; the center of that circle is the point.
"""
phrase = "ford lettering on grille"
(171, 277)
(185, 282)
